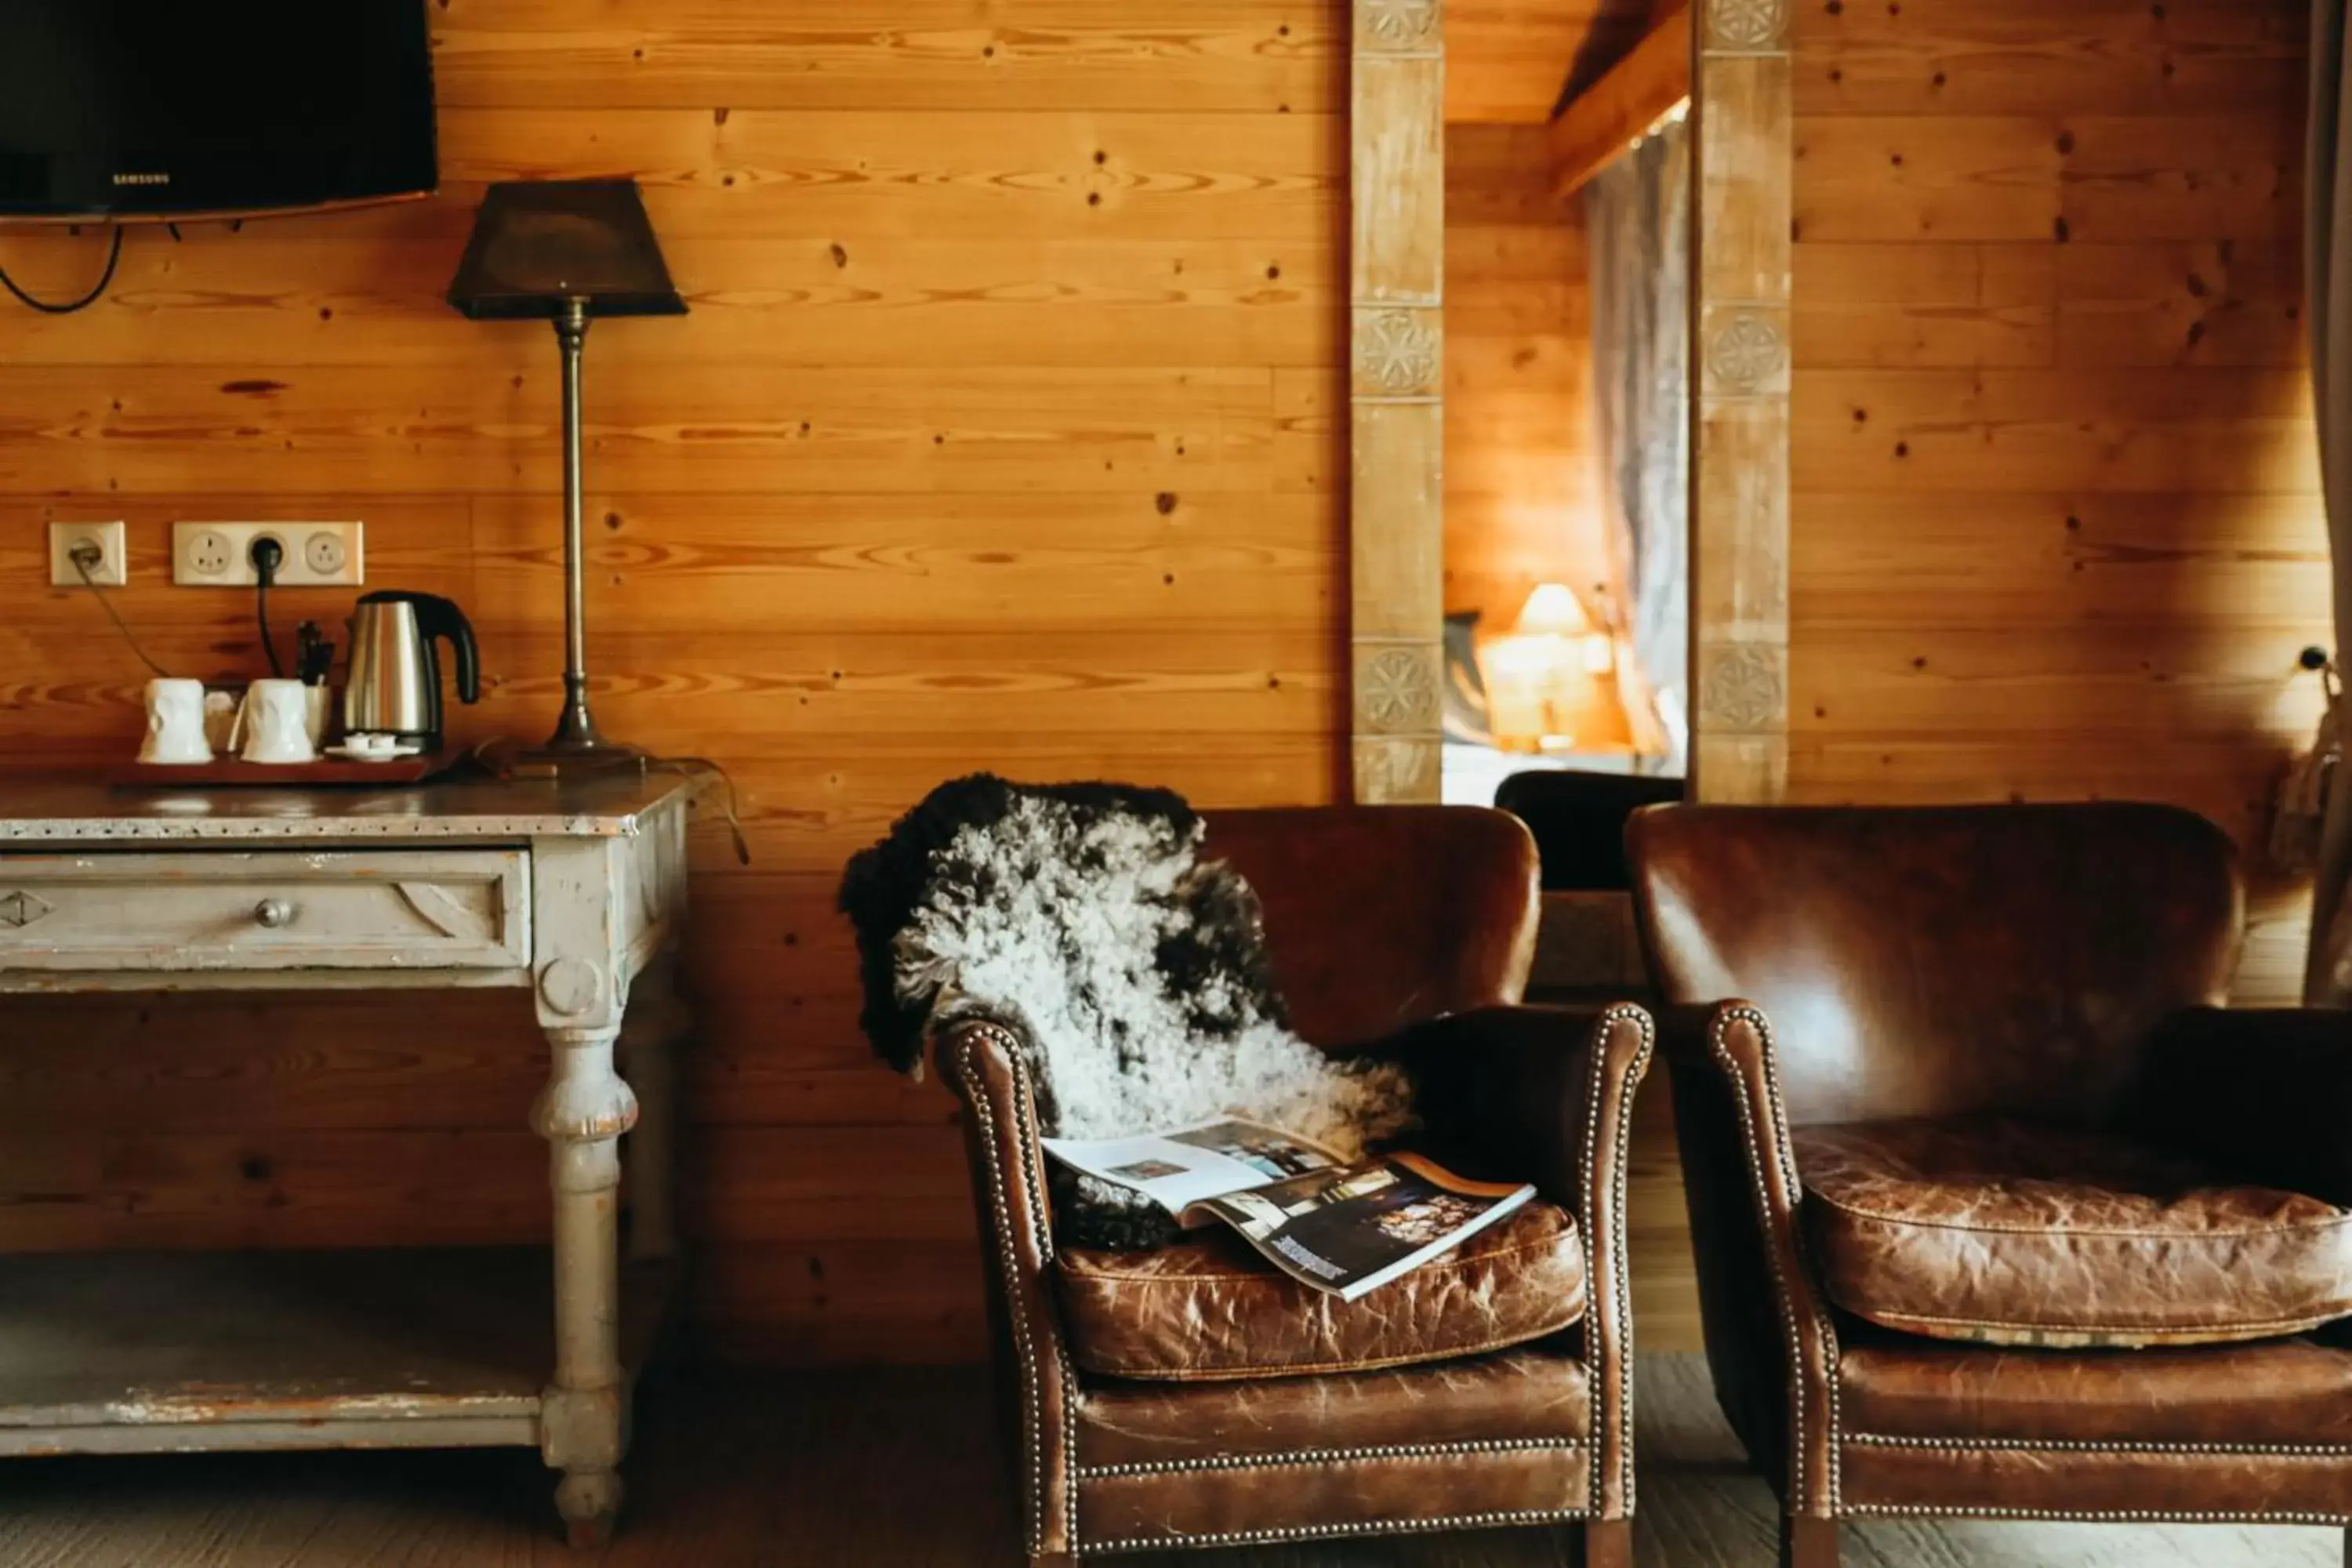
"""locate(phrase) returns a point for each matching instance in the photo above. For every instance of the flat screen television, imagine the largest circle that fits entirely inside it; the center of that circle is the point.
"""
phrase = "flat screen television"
(125, 109)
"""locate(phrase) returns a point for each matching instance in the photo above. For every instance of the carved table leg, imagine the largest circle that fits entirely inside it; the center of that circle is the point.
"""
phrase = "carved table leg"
(657, 1020)
(584, 1418)
(583, 1112)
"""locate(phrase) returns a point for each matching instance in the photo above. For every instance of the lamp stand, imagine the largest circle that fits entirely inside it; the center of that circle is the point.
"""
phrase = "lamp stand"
(577, 746)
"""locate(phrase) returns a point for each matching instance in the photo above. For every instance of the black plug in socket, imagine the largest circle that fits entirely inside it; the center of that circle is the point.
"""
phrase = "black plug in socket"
(266, 555)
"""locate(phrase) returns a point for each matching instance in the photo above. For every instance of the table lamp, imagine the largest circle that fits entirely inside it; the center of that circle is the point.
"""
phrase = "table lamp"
(1548, 686)
(566, 252)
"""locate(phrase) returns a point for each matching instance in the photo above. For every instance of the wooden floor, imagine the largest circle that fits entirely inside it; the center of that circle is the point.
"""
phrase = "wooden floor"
(900, 1470)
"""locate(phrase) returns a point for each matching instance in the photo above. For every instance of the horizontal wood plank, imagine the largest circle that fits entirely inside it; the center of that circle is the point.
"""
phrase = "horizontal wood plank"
(361, 431)
(1997, 430)
(941, 174)
(1928, 562)
(1231, 55)
(332, 297)
(2018, 57)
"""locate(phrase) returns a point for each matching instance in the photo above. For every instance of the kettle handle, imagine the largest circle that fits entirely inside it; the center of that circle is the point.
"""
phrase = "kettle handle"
(440, 617)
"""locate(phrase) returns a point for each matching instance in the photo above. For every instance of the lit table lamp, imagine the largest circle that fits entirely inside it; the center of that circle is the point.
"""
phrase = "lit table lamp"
(1548, 686)
(566, 252)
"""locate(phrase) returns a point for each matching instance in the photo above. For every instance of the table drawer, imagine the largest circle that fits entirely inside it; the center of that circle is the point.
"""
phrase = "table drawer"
(467, 909)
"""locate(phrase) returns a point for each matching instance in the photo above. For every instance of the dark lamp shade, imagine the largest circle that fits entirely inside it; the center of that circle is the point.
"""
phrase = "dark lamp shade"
(539, 243)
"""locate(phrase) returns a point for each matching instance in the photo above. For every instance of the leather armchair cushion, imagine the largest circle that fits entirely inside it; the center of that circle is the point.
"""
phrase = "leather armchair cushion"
(2293, 1393)
(2011, 1232)
(1209, 1307)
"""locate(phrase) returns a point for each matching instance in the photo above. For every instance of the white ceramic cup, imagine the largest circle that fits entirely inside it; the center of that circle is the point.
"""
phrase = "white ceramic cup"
(278, 722)
(175, 723)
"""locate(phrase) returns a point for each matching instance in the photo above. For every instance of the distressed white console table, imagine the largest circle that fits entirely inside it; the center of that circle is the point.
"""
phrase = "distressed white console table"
(576, 892)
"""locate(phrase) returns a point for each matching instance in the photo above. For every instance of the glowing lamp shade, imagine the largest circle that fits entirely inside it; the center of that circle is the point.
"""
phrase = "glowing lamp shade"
(1548, 686)
(1553, 610)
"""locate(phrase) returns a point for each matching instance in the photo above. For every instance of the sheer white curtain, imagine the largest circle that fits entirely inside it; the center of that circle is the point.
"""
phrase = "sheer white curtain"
(2328, 274)
(1637, 221)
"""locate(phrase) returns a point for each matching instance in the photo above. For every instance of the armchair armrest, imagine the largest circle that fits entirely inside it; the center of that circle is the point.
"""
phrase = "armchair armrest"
(1546, 1094)
(1515, 1093)
(1774, 1356)
(2264, 1093)
(982, 1061)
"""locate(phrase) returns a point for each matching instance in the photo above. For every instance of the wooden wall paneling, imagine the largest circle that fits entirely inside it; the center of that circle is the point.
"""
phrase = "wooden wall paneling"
(1396, 397)
(673, 430)
(1741, 330)
(2022, 56)
(331, 297)
(2057, 530)
(1038, 56)
(1008, 431)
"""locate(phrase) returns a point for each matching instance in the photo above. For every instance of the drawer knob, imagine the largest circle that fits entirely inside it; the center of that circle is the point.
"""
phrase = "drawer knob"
(274, 913)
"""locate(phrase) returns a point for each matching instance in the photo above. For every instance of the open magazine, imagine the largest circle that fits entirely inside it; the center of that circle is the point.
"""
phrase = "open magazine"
(1344, 1226)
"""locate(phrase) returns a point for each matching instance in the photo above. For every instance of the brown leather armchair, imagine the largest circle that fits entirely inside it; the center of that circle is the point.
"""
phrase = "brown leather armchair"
(1995, 1212)
(1192, 1396)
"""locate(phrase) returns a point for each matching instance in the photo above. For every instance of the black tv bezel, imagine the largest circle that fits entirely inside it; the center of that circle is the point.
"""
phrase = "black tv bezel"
(146, 205)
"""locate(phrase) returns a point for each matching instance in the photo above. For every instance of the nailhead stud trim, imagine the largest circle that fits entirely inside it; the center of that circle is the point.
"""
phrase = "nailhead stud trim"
(2089, 1516)
(1721, 1051)
(1334, 1532)
(2119, 1445)
(1069, 1443)
(1331, 1456)
(1622, 1295)
(1031, 1421)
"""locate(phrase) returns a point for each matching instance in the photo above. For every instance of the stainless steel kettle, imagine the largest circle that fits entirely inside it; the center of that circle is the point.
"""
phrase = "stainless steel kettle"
(394, 686)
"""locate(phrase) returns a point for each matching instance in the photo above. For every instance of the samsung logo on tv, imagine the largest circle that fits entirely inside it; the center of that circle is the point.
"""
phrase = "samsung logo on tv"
(143, 179)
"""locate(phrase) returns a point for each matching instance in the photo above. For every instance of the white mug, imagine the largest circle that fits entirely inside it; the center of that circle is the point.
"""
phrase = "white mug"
(175, 723)
(276, 722)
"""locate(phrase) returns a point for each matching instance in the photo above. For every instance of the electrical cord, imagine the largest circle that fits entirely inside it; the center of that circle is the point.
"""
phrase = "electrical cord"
(267, 555)
(703, 774)
(68, 306)
(502, 760)
(85, 555)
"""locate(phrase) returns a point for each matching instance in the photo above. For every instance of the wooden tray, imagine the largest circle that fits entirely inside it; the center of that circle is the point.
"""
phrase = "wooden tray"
(234, 773)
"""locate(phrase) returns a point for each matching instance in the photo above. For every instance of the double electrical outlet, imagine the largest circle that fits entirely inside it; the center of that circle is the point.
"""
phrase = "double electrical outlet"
(220, 554)
(215, 554)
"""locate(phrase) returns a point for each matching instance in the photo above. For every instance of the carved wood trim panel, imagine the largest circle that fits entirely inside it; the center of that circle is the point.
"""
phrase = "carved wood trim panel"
(1396, 397)
(1739, 438)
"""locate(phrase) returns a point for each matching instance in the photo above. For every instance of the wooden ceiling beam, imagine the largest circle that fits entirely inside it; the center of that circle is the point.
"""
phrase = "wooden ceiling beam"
(1636, 93)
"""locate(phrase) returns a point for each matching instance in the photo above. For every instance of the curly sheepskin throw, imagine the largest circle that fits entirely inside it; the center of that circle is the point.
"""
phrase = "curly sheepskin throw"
(1136, 972)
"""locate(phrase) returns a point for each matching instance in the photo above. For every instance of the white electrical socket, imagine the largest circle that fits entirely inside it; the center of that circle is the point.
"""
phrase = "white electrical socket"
(220, 554)
(113, 567)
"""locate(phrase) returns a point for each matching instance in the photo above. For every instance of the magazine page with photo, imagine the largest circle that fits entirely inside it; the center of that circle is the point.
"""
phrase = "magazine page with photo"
(1353, 1228)
(1345, 1228)
(1179, 1168)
